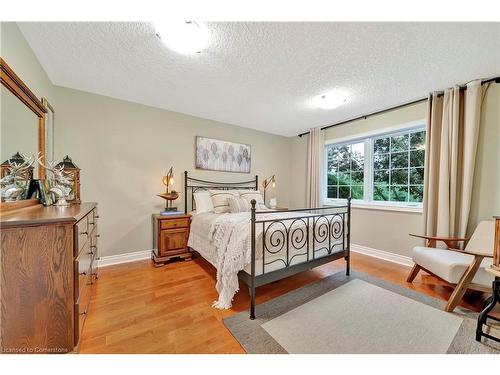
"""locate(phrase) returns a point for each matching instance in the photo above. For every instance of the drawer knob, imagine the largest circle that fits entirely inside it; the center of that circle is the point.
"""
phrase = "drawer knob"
(97, 216)
(98, 235)
(87, 233)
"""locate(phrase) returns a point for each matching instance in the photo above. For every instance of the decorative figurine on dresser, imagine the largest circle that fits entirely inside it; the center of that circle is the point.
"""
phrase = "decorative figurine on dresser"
(17, 159)
(59, 185)
(48, 253)
(17, 173)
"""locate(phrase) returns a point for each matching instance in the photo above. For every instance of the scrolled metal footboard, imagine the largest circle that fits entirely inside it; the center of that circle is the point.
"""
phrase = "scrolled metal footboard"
(286, 243)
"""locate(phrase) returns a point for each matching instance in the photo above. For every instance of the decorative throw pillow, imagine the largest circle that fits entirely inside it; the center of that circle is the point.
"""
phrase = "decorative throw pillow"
(248, 195)
(203, 202)
(238, 204)
(219, 199)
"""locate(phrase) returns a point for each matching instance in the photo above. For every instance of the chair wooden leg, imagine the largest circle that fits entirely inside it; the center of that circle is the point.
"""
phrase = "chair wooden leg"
(463, 284)
(413, 273)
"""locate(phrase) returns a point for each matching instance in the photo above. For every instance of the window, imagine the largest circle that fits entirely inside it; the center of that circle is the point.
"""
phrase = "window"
(386, 168)
(346, 171)
(398, 167)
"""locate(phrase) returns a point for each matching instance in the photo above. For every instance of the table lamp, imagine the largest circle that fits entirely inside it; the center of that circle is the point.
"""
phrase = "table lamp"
(268, 181)
(169, 196)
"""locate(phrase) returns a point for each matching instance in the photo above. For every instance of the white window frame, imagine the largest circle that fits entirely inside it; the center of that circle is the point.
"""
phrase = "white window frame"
(368, 138)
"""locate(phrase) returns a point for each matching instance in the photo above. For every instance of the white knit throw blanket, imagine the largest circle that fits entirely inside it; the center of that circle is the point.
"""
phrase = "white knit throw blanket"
(231, 237)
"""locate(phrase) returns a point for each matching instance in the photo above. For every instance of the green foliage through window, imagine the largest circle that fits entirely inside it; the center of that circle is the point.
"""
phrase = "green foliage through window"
(345, 174)
(397, 168)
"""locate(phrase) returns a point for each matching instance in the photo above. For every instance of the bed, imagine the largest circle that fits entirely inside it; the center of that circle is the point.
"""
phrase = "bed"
(264, 245)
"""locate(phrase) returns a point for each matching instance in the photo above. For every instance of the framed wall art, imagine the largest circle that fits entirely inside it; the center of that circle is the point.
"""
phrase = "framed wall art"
(217, 155)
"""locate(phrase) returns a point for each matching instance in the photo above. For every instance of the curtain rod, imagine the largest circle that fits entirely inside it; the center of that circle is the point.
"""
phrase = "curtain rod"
(364, 117)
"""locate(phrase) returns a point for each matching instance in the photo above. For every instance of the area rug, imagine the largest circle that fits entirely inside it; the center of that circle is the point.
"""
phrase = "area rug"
(357, 314)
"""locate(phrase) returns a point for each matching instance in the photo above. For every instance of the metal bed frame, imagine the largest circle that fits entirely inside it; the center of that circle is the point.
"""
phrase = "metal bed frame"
(310, 229)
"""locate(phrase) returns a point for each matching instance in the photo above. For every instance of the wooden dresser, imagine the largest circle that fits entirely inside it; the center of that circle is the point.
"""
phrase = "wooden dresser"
(48, 269)
(170, 236)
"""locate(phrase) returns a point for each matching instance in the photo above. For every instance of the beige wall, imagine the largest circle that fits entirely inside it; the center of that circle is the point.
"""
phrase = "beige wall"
(20, 57)
(124, 149)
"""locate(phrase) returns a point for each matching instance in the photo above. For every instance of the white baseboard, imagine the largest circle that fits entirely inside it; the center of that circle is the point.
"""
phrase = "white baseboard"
(384, 255)
(375, 253)
(124, 258)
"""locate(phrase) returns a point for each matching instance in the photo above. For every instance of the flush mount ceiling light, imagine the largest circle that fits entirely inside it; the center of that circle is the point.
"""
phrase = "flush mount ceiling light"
(185, 37)
(330, 100)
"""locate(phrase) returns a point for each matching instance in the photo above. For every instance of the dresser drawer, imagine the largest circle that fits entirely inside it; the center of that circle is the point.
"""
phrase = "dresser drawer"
(82, 234)
(172, 224)
(82, 270)
(81, 310)
(93, 218)
(84, 280)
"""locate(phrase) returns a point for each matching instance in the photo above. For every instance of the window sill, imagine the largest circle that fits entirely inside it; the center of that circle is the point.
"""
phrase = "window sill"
(382, 207)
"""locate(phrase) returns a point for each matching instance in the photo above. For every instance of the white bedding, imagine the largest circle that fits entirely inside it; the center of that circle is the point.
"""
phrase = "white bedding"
(224, 240)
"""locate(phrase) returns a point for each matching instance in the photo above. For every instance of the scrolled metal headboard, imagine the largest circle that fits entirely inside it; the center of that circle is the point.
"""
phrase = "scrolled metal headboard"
(194, 184)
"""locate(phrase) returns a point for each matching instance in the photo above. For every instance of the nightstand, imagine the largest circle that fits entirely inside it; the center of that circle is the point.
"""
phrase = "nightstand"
(170, 236)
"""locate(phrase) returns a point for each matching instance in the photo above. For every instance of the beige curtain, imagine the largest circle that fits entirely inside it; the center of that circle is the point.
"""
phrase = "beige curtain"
(452, 135)
(314, 180)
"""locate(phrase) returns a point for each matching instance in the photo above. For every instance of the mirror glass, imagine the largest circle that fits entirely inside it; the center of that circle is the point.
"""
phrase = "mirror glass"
(19, 128)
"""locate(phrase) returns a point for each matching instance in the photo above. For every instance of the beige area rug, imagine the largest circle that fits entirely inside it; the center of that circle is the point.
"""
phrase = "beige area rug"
(357, 314)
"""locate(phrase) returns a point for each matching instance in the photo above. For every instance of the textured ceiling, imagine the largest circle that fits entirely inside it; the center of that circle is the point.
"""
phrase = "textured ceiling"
(263, 75)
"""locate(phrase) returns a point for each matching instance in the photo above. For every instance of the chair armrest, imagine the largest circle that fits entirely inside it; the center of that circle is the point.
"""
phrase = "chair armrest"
(471, 253)
(449, 241)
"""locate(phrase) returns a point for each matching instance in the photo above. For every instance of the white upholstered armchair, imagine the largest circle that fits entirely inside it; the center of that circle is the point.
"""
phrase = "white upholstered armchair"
(463, 268)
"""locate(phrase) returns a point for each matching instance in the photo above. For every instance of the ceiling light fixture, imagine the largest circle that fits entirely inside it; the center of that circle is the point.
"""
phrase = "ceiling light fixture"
(185, 37)
(330, 100)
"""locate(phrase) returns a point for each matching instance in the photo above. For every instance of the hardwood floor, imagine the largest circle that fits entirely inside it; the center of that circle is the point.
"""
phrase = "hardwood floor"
(137, 308)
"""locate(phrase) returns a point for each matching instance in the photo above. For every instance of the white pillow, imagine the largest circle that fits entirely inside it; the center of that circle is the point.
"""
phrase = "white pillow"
(238, 204)
(248, 195)
(203, 202)
(219, 199)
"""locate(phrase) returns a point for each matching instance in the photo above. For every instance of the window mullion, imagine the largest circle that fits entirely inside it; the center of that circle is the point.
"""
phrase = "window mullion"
(368, 171)
(389, 169)
(408, 174)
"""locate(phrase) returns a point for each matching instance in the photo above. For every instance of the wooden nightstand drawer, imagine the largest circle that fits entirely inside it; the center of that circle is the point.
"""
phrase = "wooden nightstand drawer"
(172, 239)
(172, 224)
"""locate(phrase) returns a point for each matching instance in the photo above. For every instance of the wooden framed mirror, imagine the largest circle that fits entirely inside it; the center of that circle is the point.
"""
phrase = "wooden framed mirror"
(21, 131)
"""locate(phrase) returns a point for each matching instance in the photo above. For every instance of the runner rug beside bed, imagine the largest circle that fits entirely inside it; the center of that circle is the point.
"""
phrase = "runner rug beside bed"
(357, 314)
